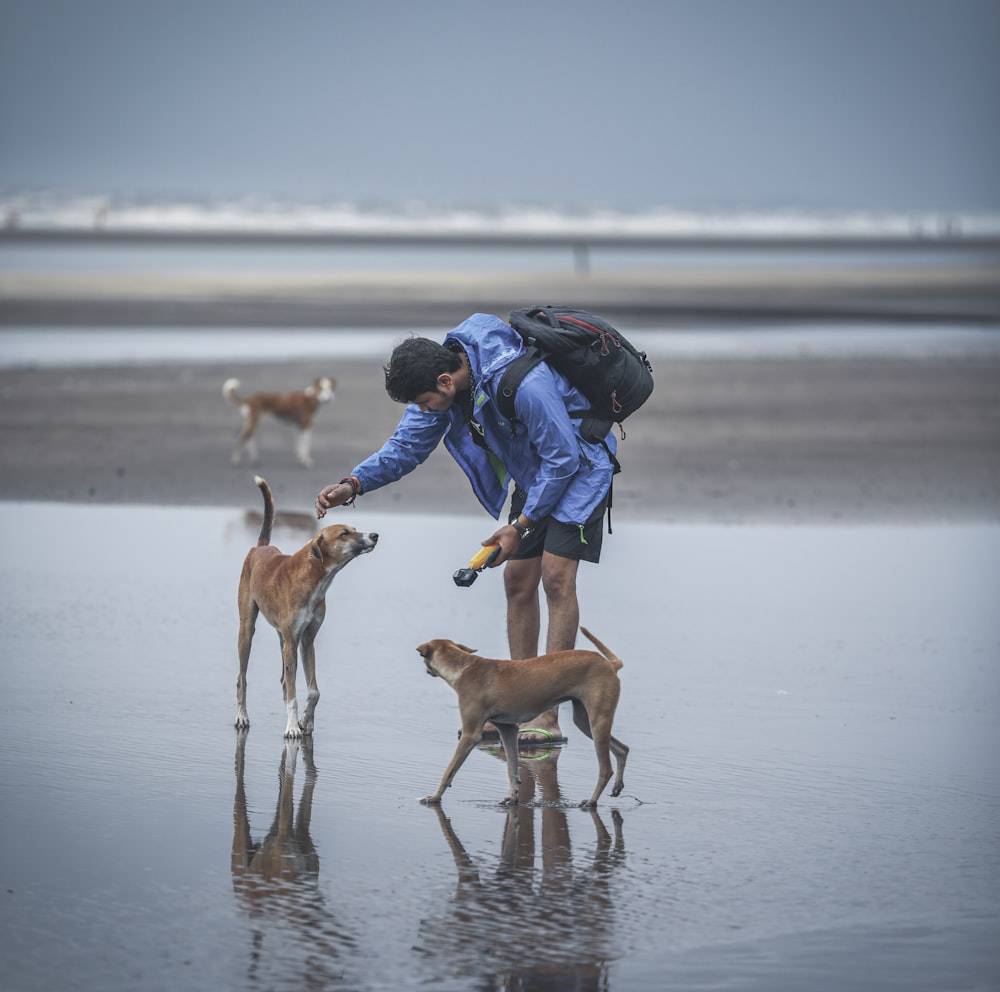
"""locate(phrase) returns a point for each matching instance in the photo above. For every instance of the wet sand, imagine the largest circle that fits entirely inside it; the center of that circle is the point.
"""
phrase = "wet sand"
(723, 438)
(811, 798)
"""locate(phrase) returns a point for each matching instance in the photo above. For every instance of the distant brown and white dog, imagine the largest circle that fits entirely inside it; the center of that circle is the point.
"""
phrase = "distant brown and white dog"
(508, 693)
(297, 408)
(290, 590)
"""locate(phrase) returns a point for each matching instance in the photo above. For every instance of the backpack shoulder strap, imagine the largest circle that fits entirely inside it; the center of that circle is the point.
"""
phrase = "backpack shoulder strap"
(511, 379)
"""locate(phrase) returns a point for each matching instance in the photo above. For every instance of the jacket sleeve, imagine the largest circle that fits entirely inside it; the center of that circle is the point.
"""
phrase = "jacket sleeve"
(539, 405)
(416, 436)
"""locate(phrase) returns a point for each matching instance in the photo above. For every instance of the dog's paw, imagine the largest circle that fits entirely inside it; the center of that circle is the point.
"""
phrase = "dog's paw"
(308, 719)
(431, 801)
(293, 730)
(242, 721)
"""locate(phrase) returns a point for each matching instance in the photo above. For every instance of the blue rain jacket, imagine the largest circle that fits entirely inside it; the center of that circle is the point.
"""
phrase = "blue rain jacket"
(564, 476)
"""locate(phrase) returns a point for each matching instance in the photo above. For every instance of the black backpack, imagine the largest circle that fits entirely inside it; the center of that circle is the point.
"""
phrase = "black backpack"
(597, 359)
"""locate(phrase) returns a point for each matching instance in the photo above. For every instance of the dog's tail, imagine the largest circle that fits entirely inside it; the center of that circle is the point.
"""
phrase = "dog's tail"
(229, 388)
(265, 527)
(616, 662)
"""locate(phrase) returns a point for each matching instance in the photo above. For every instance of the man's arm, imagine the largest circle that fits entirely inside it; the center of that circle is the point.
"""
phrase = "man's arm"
(416, 436)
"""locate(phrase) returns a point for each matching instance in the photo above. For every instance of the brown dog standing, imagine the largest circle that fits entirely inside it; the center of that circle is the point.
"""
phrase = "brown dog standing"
(508, 693)
(290, 590)
(297, 408)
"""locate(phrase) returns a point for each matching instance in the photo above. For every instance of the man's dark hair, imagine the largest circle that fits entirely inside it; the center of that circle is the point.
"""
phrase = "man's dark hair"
(414, 367)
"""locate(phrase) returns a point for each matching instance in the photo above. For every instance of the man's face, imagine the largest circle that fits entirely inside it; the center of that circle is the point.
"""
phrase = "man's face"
(439, 400)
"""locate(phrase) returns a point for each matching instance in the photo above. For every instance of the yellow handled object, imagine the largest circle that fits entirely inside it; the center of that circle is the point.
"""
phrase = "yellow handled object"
(483, 556)
(480, 560)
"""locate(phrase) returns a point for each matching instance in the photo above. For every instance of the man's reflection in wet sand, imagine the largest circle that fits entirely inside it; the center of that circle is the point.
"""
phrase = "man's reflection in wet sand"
(523, 929)
(296, 941)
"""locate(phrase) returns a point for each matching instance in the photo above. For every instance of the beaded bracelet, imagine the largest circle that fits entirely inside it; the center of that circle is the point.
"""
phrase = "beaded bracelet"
(356, 490)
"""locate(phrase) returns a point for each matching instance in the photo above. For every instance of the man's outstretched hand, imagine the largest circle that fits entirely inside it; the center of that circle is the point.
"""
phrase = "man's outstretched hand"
(330, 496)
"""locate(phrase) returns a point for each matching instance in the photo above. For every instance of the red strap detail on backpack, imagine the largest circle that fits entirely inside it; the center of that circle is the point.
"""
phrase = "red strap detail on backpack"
(605, 336)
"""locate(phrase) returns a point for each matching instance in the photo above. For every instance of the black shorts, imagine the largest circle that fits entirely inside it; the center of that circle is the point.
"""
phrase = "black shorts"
(579, 541)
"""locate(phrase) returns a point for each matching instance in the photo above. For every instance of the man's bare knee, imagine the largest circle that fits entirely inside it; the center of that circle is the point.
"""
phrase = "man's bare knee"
(559, 578)
(521, 578)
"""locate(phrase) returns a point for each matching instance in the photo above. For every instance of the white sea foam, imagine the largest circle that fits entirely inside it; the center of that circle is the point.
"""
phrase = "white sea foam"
(50, 210)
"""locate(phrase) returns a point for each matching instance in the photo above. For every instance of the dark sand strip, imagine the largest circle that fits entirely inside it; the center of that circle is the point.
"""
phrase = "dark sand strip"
(891, 439)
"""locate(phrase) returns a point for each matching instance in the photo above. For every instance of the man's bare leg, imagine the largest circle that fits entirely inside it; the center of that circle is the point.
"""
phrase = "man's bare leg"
(557, 577)
(559, 583)
(524, 621)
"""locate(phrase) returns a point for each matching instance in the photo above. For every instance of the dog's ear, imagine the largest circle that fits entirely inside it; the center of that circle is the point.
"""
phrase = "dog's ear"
(424, 650)
(464, 648)
(316, 548)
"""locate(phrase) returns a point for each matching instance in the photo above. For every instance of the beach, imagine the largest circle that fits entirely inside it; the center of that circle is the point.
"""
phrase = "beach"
(796, 218)
(800, 579)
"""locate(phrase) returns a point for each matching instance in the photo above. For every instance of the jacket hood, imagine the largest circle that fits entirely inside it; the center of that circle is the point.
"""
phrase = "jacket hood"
(490, 343)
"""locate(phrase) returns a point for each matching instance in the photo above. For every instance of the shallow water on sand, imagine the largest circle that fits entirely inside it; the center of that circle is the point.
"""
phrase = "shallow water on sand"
(812, 798)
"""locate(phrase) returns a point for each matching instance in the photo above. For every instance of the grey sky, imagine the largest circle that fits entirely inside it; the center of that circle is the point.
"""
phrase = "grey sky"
(885, 104)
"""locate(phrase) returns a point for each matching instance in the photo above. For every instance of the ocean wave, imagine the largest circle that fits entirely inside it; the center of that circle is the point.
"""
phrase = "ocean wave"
(50, 211)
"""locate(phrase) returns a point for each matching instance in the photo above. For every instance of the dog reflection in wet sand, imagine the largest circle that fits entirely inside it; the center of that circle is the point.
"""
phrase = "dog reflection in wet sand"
(509, 693)
(552, 917)
(287, 854)
(277, 879)
(290, 590)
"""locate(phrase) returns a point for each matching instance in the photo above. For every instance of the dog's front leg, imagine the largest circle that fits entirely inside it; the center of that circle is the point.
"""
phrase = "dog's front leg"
(308, 653)
(466, 743)
(303, 446)
(289, 649)
(508, 737)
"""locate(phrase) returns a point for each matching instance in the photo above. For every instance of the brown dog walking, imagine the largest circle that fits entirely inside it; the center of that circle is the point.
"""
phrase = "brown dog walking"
(297, 408)
(507, 693)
